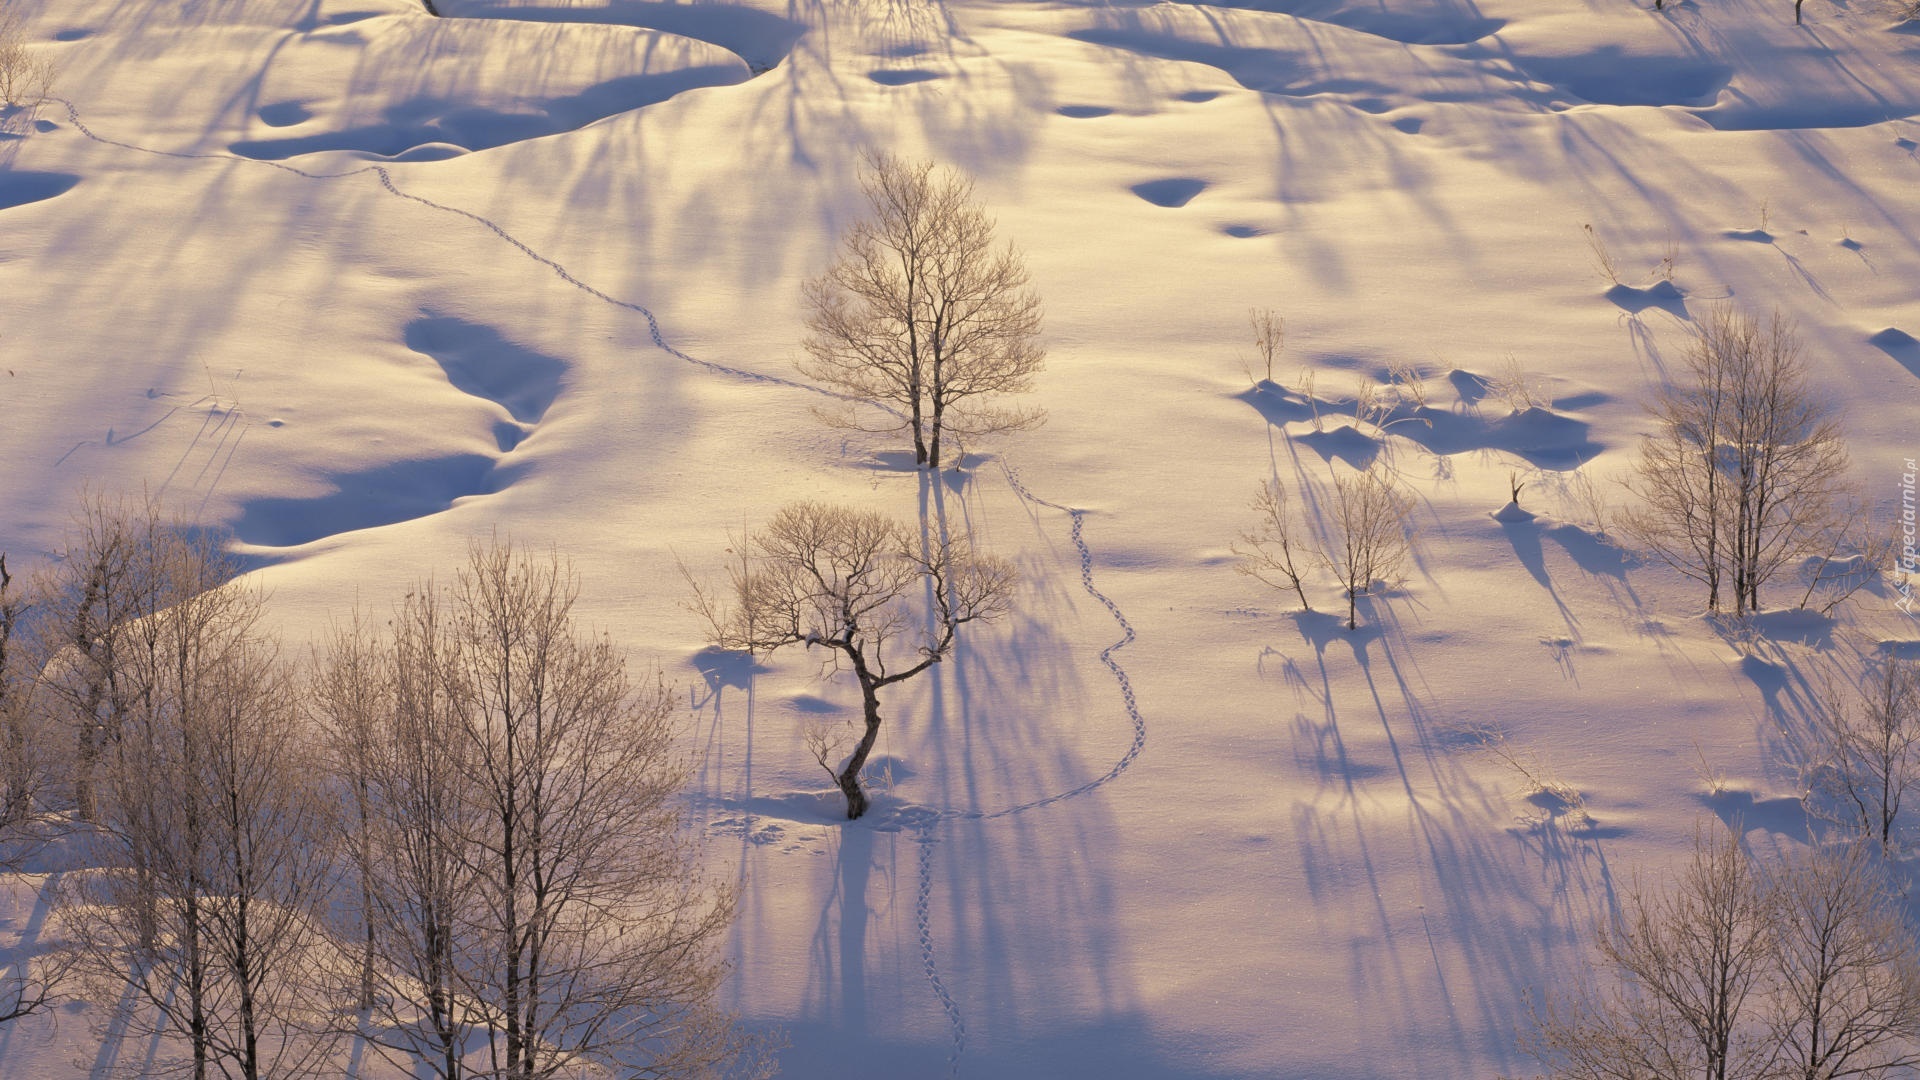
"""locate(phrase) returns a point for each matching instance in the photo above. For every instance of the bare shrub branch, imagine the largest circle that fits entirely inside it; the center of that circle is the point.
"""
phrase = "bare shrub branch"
(1274, 548)
(1367, 538)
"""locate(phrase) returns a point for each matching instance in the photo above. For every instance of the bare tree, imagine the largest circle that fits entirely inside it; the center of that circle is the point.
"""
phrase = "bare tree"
(1269, 336)
(1801, 970)
(36, 982)
(104, 581)
(1742, 476)
(582, 880)
(921, 316)
(209, 839)
(349, 693)
(1846, 986)
(20, 775)
(1868, 755)
(394, 735)
(843, 580)
(1272, 551)
(25, 79)
(1368, 538)
(1682, 967)
(523, 871)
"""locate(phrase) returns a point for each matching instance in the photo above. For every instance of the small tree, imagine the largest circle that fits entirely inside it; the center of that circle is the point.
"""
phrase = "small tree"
(26, 768)
(921, 316)
(523, 877)
(19, 774)
(209, 828)
(1802, 970)
(842, 580)
(1683, 966)
(1868, 754)
(1368, 539)
(1269, 336)
(1742, 477)
(382, 702)
(1846, 979)
(1271, 552)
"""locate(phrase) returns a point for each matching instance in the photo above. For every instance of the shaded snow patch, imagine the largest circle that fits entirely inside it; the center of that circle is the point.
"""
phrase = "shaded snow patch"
(1172, 193)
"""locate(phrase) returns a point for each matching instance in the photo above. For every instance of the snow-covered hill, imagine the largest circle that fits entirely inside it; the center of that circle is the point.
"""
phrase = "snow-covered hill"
(362, 283)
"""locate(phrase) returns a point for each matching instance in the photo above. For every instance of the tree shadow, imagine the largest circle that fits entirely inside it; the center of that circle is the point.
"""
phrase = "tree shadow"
(1496, 910)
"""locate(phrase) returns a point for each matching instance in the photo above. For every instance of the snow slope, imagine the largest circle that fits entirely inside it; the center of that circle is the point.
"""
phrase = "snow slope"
(363, 284)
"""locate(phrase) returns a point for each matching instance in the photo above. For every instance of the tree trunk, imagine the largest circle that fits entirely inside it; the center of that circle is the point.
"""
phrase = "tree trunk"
(919, 431)
(850, 774)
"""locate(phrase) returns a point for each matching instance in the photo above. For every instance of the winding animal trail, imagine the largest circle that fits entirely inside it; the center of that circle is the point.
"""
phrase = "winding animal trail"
(925, 834)
(925, 828)
(385, 177)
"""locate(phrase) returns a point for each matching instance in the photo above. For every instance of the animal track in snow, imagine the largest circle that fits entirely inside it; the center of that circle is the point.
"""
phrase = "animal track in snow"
(408, 490)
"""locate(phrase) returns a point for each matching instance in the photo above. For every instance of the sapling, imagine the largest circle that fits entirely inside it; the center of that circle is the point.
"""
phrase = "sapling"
(1269, 335)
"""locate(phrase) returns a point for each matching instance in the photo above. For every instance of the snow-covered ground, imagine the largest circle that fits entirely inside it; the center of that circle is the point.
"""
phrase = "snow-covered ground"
(361, 284)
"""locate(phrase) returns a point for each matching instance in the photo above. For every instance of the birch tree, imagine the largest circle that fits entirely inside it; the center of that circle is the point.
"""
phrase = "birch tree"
(530, 896)
(1743, 474)
(922, 317)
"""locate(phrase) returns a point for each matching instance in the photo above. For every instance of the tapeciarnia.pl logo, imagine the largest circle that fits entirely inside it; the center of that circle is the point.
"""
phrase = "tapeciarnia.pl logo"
(1909, 559)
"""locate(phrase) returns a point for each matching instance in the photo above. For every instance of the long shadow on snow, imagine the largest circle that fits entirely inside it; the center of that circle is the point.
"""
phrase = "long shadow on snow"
(425, 129)
(401, 491)
(760, 38)
(1460, 962)
(1542, 438)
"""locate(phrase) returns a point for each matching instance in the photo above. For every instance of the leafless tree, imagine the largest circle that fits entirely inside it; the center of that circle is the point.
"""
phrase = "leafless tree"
(211, 854)
(1269, 336)
(25, 79)
(349, 694)
(843, 580)
(36, 982)
(108, 577)
(583, 882)
(1682, 968)
(1867, 755)
(1743, 475)
(1367, 538)
(393, 734)
(1799, 970)
(1272, 551)
(522, 865)
(20, 775)
(921, 316)
(1845, 1000)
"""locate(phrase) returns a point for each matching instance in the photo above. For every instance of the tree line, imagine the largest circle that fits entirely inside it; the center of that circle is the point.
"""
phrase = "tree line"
(449, 831)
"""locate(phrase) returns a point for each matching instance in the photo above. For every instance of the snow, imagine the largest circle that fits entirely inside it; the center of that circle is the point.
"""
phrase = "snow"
(362, 285)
